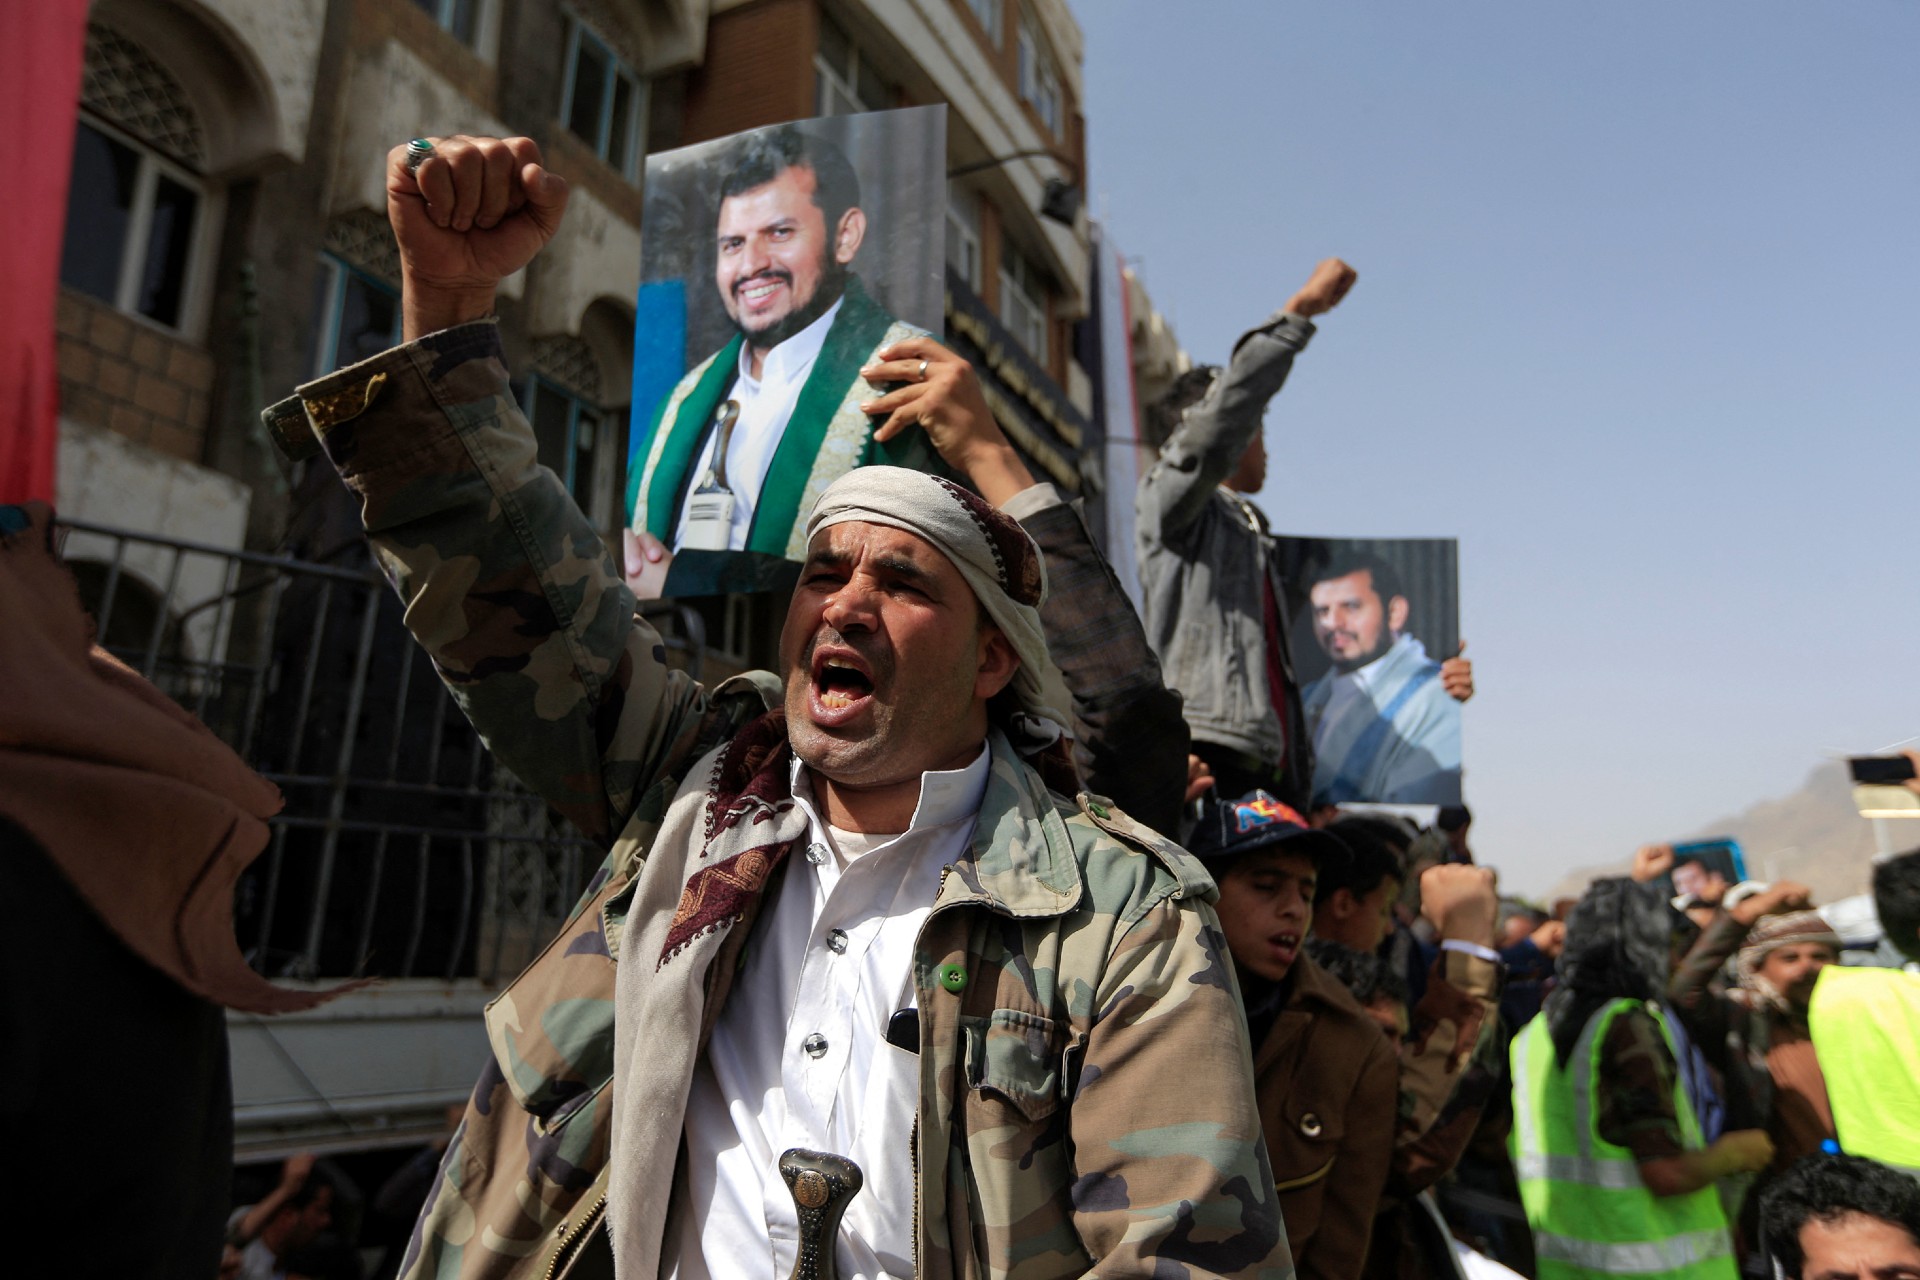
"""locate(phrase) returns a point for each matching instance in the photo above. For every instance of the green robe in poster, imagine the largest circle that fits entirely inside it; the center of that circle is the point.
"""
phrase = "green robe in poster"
(827, 436)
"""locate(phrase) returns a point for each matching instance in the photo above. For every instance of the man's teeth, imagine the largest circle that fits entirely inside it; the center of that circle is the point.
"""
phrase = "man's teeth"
(836, 699)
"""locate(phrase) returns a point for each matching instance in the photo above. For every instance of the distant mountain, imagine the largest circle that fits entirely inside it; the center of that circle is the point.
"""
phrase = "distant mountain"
(1814, 836)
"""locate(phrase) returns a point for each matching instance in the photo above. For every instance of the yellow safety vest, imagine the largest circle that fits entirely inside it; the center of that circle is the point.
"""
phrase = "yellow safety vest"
(1591, 1214)
(1866, 1034)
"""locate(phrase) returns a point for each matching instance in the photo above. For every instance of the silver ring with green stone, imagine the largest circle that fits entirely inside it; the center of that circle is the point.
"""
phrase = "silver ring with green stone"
(417, 152)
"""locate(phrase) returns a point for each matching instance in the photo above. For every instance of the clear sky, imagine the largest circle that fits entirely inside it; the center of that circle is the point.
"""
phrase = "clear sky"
(1636, 322)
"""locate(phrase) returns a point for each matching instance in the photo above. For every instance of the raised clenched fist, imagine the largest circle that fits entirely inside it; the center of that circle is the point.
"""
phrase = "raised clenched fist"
(1323, 290)
(1651, 861)
(1461, 901)
(475, 211)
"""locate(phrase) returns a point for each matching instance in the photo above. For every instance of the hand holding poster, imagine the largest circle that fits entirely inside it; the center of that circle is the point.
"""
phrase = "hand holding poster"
(1372, 620)
(776, 264)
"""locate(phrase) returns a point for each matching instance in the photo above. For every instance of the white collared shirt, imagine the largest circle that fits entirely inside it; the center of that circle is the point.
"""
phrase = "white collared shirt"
(766, 403)
(799, 1056)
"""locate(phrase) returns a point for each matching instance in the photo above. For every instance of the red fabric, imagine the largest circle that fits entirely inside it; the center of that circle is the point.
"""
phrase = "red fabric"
(42, 44)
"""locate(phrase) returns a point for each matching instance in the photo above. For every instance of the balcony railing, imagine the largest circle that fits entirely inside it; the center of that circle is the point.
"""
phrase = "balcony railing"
(402, 851)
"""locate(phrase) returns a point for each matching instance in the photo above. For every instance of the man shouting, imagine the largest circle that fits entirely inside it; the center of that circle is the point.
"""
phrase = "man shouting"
(841, 908)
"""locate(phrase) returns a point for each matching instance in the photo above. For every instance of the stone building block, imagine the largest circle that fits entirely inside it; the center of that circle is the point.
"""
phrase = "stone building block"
(149, 351)
(110, 331)
(78, 362)
(84, 404)
(190, 369)
(115, 377)
(71, 317)
(175, 441)
(160, 397)
(128, 421)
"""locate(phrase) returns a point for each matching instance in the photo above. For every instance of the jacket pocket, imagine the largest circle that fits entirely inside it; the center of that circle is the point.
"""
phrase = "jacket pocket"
(1015, 1055)
(551, 1030)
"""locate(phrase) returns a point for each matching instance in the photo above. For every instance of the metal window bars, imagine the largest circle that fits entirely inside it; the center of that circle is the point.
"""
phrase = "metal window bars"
(401, 852)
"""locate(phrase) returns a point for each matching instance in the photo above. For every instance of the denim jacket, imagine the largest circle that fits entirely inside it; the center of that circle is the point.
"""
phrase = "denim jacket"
(1205, 555)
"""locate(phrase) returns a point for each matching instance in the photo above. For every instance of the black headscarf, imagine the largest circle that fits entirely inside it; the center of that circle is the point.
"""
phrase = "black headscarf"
(1617, 947)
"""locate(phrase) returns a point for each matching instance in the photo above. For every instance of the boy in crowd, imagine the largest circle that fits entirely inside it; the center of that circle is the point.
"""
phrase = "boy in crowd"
(1324, 1075)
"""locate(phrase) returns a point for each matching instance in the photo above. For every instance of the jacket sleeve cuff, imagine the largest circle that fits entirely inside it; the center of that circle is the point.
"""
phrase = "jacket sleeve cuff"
(1291, 331)
(301, 423)
(1032, 500)
(1476, 977)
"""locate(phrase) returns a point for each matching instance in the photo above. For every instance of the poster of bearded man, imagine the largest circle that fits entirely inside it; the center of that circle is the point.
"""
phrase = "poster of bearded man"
(1370, 621)
(775, 264)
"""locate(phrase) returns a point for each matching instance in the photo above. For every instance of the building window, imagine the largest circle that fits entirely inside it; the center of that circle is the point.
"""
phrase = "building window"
(461, 18)
(988, 13)
(963, 235)
(604, 101)
(355, 316)
(576, 436)
(1022, 302)
(573, 439)
(845, 81)
(132, 223)
(1039, 82)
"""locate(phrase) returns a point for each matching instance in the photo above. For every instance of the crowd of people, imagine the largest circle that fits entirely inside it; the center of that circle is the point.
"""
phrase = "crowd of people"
(1118, 988)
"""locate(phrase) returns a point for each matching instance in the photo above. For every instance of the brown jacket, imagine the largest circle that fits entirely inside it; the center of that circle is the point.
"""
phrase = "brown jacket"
(1327, 1082)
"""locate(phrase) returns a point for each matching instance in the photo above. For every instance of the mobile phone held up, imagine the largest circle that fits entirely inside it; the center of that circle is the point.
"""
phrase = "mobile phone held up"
(1880, 771)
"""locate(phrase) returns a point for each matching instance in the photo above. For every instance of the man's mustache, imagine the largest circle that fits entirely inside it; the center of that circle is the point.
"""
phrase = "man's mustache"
(879, 662)
(765, 273)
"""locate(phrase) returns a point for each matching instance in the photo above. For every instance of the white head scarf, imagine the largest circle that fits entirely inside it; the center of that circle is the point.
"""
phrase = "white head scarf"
(989, 548)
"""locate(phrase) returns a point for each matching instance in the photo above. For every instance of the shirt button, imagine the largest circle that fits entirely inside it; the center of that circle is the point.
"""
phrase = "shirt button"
(815, 1045)
(816, 853)
(837, 941)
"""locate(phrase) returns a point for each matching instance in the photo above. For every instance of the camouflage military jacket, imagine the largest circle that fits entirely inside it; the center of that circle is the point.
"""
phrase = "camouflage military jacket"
(1086, 1095)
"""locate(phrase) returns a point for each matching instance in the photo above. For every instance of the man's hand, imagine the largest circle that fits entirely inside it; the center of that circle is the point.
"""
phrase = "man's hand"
(648, 561)
(1323, 291)
(1776, 899)
(1461, 901)
(1742, 1151)
(1651, 861)
(1550, 938)
(295, 1170)
(1199, 778)
(1456, 675)
(949, 406)
(475, 212)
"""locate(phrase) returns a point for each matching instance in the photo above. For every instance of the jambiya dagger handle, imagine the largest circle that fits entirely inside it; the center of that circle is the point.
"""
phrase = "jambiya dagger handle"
(822, 1184)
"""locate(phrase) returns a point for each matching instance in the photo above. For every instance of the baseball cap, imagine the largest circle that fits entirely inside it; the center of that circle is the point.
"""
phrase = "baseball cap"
(1231, 828)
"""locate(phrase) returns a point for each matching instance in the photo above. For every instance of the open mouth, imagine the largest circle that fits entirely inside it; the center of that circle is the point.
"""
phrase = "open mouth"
(842, 684)
(756, 292)
(1285, 944)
